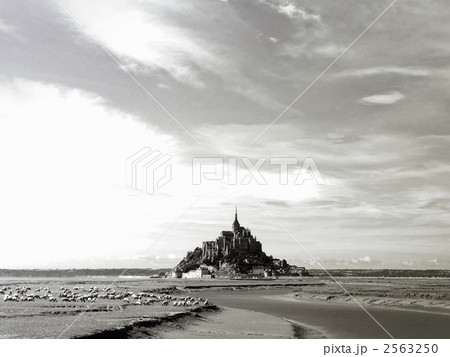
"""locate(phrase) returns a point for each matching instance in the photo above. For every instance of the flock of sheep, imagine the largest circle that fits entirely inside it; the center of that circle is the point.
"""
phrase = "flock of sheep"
(79, 294)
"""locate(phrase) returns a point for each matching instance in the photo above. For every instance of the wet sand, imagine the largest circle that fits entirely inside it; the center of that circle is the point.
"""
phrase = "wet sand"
(283, 308)
(339, 320)
(116, 319)
(232, 323)
(433, 293)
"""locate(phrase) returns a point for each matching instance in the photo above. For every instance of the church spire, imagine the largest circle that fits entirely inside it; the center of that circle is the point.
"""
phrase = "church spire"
(236, 226)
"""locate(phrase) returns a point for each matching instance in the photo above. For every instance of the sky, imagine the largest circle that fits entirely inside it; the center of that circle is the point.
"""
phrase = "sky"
(86, 84)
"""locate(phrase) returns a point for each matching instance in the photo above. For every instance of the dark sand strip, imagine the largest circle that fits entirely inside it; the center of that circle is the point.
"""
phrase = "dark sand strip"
(147, 327)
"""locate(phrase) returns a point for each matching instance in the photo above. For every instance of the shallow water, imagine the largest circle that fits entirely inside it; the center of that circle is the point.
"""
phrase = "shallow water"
(338, 320)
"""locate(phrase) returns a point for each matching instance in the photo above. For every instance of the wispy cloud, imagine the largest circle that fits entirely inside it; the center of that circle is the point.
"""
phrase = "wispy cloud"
(150, 39)
(329, 50)
(277, 203)
(86, 182)
(383, 70)
(144, 41)
(294, 12)
(365, 261)
(382, 99)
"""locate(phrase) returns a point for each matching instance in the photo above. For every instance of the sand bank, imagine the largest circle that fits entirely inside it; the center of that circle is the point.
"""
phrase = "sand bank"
(149, 327)
(212, 323)
(232, 323)
(388, 301)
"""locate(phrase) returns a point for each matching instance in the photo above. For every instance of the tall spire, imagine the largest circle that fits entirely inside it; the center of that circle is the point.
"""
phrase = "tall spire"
(236, 224)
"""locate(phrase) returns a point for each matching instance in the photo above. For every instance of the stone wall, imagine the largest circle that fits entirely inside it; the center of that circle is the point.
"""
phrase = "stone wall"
(209, 251)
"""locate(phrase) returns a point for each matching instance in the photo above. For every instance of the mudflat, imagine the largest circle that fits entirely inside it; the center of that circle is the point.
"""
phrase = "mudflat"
(281, 308)
(42, 317)
(400, 307)
(232, 323)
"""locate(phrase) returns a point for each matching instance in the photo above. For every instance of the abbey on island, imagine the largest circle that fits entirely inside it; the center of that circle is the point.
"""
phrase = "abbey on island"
(233, 254)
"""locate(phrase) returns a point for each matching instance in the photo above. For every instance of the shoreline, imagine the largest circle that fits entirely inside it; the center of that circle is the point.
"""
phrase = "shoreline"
(136, 318)
(232, 323)
(209, 322)
(389, 303)
(179, 325)
(141, 327)
(261, 284)
(316, 331)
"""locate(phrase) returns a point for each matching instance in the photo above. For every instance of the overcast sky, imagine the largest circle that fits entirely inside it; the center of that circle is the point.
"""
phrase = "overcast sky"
(376, 124)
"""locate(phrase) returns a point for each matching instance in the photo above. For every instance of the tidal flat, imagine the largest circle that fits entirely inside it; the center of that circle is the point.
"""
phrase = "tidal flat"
(305, 307)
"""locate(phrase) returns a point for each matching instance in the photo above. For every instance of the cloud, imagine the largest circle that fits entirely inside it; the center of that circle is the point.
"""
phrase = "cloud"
(376, 184)
(365, 259)
(407, 263)
(143, 40)
(329, 50)
(362, 260)
(172, 256)
(438, 203)
(346, 262)
(311, 39)
(277, 203)
(294, 12)
(382, 99)
(170, 40)
(75, 200)
(383, 70)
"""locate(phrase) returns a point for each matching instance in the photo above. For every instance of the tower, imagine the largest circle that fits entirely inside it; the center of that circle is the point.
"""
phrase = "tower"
(236, 226)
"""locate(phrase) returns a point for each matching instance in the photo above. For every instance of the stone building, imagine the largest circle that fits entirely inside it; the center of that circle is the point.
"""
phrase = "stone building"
(234, 253)
(239, 239)
(258, 270)
(197, 274)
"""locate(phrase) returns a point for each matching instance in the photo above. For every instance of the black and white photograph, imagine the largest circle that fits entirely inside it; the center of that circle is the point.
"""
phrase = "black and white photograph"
(226, 170)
